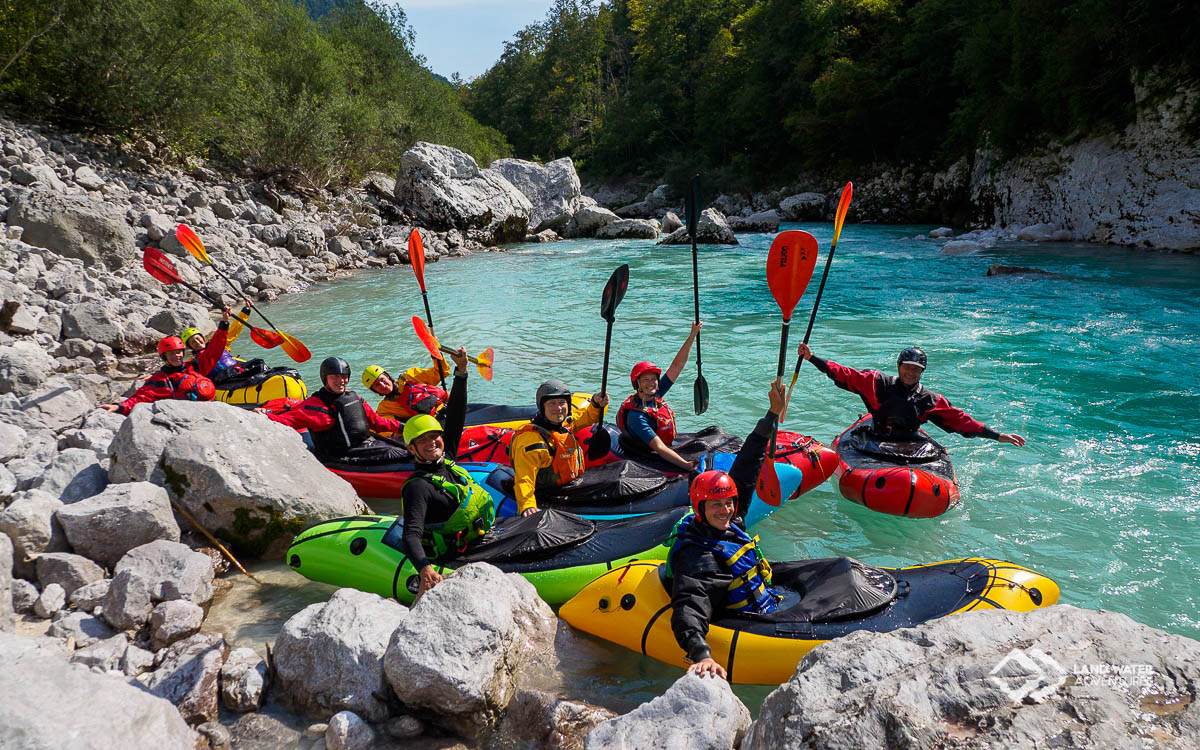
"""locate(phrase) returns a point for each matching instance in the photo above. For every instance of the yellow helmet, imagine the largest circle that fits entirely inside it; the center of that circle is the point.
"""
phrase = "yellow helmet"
(371, 374)
(188, 333)
(419, 425)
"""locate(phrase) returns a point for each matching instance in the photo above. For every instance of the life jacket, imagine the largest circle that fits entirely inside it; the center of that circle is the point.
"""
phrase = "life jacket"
(223, 363)
(661, 418)
(472, 519)
(350, 424)
(418, 398)
(750, 590)
(185, 384)
(901, 410)
(566, 456)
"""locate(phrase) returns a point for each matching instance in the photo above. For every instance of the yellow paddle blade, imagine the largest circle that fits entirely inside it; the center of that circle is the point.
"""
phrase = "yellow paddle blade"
(484, 363)
(293, 348)
(843, 206)
(235, 328)
(191, 241)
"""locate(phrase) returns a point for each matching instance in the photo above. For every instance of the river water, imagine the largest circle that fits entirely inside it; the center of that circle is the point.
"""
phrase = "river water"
(1096, 366)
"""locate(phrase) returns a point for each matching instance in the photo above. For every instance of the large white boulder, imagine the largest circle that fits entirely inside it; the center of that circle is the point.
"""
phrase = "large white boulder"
(124, 516)
(763, 221)
(711, 229)
(629, 229)
(74, 226)
(802, 207)
(245, 478)
(552, 189)
(160, 571)
(698, 713)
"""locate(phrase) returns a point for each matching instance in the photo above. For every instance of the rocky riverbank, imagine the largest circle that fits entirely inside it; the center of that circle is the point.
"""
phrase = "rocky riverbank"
(105, 581)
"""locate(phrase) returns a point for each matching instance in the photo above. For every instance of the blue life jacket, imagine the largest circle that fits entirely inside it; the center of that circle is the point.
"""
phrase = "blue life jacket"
(750, 590)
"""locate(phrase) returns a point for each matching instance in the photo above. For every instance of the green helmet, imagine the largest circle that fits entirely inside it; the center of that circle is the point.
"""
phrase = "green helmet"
(419, 425)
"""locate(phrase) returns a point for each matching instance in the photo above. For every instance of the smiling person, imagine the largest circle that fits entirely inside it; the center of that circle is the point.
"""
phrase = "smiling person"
(715, 565)
(646, 422)
(900, 405)
(415, 392)
(216, 351)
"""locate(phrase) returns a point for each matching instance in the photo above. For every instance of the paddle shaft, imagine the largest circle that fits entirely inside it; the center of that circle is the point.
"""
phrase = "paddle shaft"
(429, 320)
(607, 345)
(696, 301)
(448, 350)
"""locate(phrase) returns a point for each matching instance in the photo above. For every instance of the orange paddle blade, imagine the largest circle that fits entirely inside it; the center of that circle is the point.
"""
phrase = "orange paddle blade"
(843, 206)
(416, 256)
(293, 348)
(790, 264)
(768, 484)
(191, 241)
(484, 363)
(428, 339)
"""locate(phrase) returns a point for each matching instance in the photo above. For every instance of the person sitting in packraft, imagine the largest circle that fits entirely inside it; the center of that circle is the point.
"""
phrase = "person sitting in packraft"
(900, 405)
(341, 423)
(646, 422)
(225, 365)
(716, 567)
(178, 379)
(415, 392)
(445, 510)
(546, 452)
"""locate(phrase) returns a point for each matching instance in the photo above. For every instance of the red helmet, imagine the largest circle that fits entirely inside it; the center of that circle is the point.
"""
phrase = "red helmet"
(640, 369)
(170, 344)
(195, 388)
(711, 485)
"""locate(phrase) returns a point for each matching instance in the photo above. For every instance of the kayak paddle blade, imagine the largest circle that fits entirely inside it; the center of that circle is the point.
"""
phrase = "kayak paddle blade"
(427, 338)
(692, 210)
(843, 206)
(262, 337)
(293, 348)
(768, 482)
(700, 395)
(484, 363)
(416, 256)
(600, 443)
(790, 264)
(614, 292)
(191, 242)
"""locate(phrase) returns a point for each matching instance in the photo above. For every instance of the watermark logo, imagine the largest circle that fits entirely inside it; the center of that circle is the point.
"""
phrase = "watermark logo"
(1028, 675)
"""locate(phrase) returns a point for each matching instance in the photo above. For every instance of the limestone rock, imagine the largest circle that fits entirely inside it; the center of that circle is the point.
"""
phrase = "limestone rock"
(763, 221)
(711, 229)
(29, 522)
(74, 474)
(941, 233)
(156, 572)
(72, 572)
(90, 596)
(244, 679)
(84, 628)
(330, 657)
(74, 226)
(189, 674)
(961, 247)
(347, 731)
(7, 601)
(23, 367)
(621, 229)
(553, 189)
(260, 731)
(52, 599)
(124, 516)
(57, 404)
(60, 703)
(173, 621)
(695, 712)
(222, 464)
(588, 220)
(803, 207)
(136, 661)
(24, 593)
(12, 441)
(306, 239)
(1037, 233)
(670, 222)
(105, 655)
(541, 720)
(86, 177)
(181, 315)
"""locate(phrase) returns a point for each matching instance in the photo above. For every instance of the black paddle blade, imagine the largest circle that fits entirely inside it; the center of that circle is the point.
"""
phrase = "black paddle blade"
(700, 395)
(692, 210)
(614, 292)
(600, 443)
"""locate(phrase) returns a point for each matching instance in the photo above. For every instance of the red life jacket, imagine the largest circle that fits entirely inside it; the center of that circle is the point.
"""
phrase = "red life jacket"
(419, 398)
(661, 417)
(186, 385)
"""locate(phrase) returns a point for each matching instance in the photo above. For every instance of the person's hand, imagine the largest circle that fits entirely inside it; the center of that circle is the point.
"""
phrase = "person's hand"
(1011, 438)
(261, 410)
(226, 314)
(689, 465)
(529, 511)
(600, 400)
(248, 304)
(708, 668)
(804, 351)
(110, 407)
(696, 329)
(460, 360)
(428, 578)
(778, 396)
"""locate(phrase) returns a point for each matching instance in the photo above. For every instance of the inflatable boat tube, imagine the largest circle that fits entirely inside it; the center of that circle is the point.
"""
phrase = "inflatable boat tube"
(912, 478)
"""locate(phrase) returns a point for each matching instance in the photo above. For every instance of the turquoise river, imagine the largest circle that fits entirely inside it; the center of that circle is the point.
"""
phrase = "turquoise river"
(1095, 365)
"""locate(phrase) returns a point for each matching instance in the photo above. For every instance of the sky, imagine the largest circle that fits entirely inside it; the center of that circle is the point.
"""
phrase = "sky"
(467, 36)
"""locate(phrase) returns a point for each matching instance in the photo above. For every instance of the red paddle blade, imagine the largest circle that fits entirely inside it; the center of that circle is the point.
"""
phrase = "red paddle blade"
(159, 266)
(790, 264)
(843, 206)
(428, 339)
(484, 363)
(416, 256)
(191, 242)
(263, 338)
(768, 483)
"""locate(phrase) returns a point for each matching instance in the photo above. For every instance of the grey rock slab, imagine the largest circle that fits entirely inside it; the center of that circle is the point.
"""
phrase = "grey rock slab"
(542, 720)
(306, 239)
(86, 177)
(588, 220)
(68, 570)
(216, 734)
(621, 229)
(52, 599)
(762, 221)
(711, 229)
(173, 621)
(73, 475)
(156, 572)
(330, 657)
(91, 595)
(29, 523)
(24, 593)
(105, 655)
(262, 731)
(62, 705)
(172, 320)
(553, 189)
(803, 207)
(57, 405)
(136, 661)
(189, 675)
(12, 441)
(111, 523)
(8, 484)
(347, 731)
(961, 247)
(96, 320)
(244, 679)
(695, 713)
(24, 366)
(84, 628)
(7, 598)
(74, 226)
(670, 222)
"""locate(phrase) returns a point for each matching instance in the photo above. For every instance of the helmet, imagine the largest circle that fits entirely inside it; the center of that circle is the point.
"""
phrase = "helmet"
(187, 334)
(334, 366)
(710, 485)
(552, 389)
(419, 425)
(170, 344)
(195, 388)
(371, 374)
(640, 369)
(912, 356)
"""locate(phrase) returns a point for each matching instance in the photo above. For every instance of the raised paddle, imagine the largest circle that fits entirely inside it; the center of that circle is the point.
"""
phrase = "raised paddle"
(162, 269)
(614, 291)
(483, 362)
(291, 345)
(700, 389)
(838, 219)
(416, 256)
(790, 264)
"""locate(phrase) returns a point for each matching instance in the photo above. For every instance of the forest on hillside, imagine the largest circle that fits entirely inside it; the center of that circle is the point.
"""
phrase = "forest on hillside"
(317, 93)
(756, 90)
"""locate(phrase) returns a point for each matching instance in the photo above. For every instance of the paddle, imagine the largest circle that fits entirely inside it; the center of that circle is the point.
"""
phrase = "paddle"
(291, 345)
(700, 389)
(416, 256)
(614, 291)
(162, 269)
(483, 362)
(790, 264)
(838, 219)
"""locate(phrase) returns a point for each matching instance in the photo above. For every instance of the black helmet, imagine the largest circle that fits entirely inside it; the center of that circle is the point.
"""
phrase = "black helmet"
(334, 366)
(552, 389)
(912, 356)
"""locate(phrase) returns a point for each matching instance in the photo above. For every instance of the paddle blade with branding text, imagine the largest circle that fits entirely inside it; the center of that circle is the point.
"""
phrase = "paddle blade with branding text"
(790, 264)
(159, 266)
(416, 256)
(427, 338)
(692, 209)
(614, 292)
(484, 363)
(843, 206)
(191, 242)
